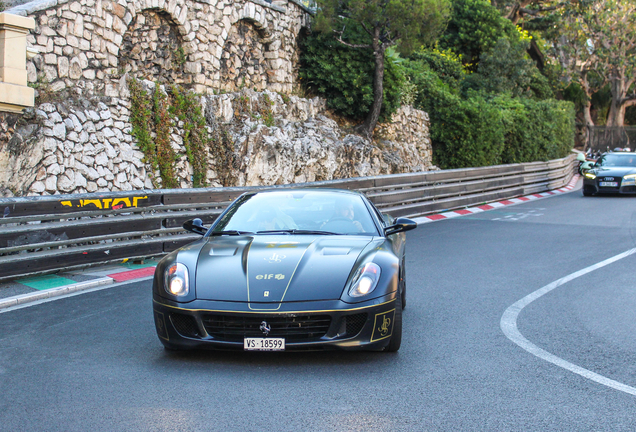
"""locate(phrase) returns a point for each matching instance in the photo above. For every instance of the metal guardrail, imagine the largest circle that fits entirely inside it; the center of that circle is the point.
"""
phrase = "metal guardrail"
(43, 234)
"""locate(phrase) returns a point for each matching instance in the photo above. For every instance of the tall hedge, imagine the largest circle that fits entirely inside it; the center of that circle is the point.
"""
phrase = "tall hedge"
(536, 130)
(479, 129)
(466, 133)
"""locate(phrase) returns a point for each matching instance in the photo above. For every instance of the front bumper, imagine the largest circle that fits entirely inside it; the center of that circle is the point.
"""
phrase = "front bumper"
(625, 186)
(324, 325)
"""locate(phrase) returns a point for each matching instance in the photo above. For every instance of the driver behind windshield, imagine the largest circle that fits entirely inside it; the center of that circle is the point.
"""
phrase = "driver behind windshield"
(343, 210)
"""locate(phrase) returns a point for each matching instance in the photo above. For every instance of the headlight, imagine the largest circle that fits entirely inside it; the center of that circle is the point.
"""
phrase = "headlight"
(630, 177)
(365, 280)
(176, 280)
(590, 176)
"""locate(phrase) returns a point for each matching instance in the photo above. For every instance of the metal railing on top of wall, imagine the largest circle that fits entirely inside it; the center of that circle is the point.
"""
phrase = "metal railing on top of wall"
(43, 234)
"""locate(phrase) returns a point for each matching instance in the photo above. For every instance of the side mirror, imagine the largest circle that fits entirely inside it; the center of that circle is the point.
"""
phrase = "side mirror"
(195, 226)
(401, 224)
(580, 157)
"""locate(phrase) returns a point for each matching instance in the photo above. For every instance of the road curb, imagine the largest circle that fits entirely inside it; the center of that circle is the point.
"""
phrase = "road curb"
(493, 205)
(53, 292)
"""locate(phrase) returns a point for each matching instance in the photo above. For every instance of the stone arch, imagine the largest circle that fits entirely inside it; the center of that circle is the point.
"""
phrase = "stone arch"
(153, 48)
(177, 10)
(246, 54)
(256, 16)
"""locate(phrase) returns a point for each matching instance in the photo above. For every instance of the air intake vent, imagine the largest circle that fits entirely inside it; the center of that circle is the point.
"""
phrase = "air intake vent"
(185, 325)
(355, 323)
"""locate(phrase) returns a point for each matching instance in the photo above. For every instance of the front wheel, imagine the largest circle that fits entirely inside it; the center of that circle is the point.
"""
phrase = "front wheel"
(396, 337)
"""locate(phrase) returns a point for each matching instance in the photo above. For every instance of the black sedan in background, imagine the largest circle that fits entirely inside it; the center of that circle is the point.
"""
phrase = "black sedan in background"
(292, 269)
(613, 173)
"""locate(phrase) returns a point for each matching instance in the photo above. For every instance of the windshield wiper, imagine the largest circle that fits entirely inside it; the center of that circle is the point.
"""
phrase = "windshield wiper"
(297, 231)
(317, 232)
(230, 232)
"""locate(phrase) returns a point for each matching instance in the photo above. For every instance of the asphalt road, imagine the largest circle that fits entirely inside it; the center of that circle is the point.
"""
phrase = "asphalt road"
(93, 361)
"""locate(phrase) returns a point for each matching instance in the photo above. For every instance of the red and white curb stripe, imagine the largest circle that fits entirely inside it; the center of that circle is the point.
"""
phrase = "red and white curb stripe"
(490, 206)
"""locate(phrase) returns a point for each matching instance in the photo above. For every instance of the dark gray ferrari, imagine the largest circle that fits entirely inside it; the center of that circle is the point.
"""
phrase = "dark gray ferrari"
(287, 269)
(613, 173)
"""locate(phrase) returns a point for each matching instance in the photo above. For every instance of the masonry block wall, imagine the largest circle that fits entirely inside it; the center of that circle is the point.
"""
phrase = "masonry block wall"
(207, 45)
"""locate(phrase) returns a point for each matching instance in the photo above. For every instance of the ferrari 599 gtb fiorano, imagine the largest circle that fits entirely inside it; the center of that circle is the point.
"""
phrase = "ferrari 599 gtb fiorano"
(288, 269)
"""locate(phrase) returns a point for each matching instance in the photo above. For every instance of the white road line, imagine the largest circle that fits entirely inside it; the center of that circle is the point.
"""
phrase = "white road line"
(509, 327)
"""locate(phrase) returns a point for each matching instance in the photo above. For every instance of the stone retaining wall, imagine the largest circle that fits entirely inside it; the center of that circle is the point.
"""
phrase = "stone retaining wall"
(84, 145)
(209, 45)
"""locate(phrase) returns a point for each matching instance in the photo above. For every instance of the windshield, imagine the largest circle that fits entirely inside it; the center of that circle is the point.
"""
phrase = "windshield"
(617, 160)
(311, 212)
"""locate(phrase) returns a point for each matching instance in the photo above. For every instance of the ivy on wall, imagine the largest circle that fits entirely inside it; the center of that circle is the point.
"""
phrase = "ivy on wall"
(187, 109)
(140, 118)
(165, 154)
(153, 119)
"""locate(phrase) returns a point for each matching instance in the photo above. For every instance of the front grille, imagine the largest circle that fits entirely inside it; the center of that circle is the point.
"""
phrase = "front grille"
(304, 328)
(185, 325)
(355, 323)
(617, 180)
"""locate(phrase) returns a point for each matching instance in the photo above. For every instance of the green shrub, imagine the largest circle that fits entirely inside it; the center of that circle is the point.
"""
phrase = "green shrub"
(474, 28)
(471, 129)
(446, 65)
(344, 76)
(507, 68)
(466, 133)
(535, 130)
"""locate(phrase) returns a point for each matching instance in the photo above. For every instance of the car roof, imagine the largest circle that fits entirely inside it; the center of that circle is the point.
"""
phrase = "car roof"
(306, 189)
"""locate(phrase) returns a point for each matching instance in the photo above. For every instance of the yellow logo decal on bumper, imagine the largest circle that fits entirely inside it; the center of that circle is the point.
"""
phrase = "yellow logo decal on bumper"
(383, 325)
(160, 324)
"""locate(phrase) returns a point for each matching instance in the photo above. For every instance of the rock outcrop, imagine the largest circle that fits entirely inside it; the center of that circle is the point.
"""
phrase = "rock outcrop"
(81, 145)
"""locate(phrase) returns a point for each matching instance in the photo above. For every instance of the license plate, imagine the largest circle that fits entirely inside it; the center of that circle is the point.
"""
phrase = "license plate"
(264, 344)
(608, 184)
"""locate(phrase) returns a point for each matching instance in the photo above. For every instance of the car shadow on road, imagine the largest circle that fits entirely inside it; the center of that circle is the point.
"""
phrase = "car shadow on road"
(209, 358)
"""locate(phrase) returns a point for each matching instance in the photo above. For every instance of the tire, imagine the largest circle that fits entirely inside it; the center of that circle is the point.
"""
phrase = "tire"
(587, 192)
(396, 337)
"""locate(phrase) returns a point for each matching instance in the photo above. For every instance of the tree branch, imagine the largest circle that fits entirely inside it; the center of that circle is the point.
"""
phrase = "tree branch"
(366, 29)
(350, 45)
(535, 12)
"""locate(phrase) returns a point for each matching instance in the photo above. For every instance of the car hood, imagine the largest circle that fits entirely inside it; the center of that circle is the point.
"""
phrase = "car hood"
(613, 171)
(267, 270)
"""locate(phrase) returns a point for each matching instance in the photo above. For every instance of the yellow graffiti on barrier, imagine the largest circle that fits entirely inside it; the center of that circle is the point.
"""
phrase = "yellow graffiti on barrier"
(106, 203)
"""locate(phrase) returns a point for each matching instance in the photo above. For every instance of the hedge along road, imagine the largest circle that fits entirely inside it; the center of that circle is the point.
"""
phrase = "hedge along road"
(93, 361)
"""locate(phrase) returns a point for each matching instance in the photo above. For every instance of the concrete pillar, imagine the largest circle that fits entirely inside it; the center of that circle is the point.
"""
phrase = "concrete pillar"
(15, 95)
